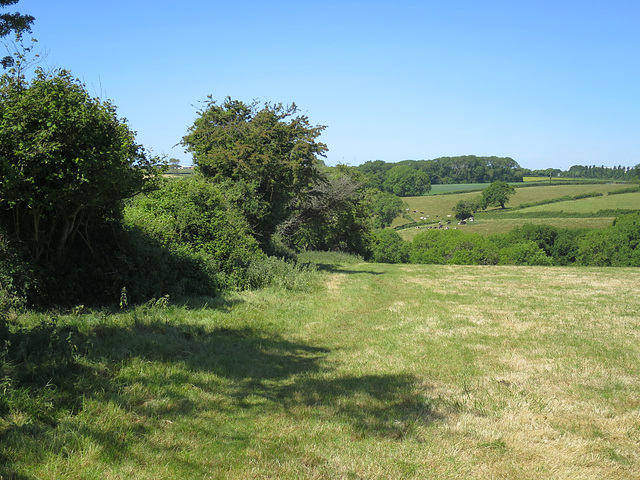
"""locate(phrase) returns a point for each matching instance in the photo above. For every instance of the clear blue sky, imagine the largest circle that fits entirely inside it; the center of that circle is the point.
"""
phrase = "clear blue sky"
(550, 83)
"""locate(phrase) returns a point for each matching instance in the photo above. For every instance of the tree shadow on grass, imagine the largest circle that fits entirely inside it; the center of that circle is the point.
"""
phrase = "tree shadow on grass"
(339, 268)
(153, 371)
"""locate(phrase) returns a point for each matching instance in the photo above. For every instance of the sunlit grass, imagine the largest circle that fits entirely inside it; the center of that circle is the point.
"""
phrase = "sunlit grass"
(490, 226)
(586, 205)
(381, 372)
(441, 207)
(443, 204)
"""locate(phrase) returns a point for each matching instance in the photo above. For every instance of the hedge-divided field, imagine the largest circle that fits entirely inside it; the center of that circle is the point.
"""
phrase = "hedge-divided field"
(570, 213)
(376, 372)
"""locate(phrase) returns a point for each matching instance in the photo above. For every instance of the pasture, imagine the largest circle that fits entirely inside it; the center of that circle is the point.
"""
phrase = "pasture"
(593, 204)
(439, 207)
(378, 371)
(456, 187)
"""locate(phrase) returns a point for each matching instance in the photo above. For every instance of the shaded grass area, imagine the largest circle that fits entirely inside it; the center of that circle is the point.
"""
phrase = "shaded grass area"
(384, 371)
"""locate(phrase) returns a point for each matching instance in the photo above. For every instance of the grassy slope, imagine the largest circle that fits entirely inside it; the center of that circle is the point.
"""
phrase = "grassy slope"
(382, 372)
(438, 207)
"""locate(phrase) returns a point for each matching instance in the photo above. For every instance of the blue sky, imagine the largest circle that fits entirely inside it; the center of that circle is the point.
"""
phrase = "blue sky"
(548, 83)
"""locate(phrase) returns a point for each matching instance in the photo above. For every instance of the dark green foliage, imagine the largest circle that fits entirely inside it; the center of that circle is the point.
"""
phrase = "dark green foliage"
(269, 148)
(466, 208)
(453, 247)
(16, 278)
(14, 22)
(333, 214)
(601, 172)
(565, 246)
(405, 181)
(497, 194)
(543, 236)
(66, 162)
(447, 170)
(632, 189)
(524, 252)
(389, 247)
(198, 219)
(616, 246)
(385, 208)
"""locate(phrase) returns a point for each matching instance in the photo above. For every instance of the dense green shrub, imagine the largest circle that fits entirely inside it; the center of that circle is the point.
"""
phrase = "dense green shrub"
(542, 235)
(66, 163)
(565, 246)
(616, 246)
(453, 247)
(333, 214)
(633, 189)
(199, 223)
(389, 247)
(197, 218)
(17, 279)
(525, 252)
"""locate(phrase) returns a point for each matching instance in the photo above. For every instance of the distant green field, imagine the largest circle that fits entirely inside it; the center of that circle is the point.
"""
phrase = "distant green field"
(490, 226)
(560, 179)
(586, 205)
(438, 208)
(456, 187)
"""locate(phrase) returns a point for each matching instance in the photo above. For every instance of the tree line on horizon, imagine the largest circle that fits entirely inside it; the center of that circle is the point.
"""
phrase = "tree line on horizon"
(415, 177)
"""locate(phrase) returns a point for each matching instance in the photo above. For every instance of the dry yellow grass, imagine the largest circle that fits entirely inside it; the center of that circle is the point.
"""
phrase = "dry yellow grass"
(552, 391)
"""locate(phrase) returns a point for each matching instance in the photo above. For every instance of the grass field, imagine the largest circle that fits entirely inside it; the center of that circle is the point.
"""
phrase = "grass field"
(440, 207)
(457, 187)
(593, 204)
(381, 371)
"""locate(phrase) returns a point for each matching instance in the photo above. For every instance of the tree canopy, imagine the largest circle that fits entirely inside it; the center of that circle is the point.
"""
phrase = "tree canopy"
(498, 193)
(65, 160)
(269, 147)
(13, 22)
(447, 170)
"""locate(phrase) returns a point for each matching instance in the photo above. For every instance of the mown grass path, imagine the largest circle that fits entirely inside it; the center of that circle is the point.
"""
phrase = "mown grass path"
(382, 371)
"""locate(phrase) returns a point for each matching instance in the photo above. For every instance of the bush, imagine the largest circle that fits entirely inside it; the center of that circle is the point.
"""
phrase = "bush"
(17, 279)
(389, 247)
(452, 247)
(565, 246)
(526, 252)
(616, 246)
(66, 163)
(542, 235)
(198, 219)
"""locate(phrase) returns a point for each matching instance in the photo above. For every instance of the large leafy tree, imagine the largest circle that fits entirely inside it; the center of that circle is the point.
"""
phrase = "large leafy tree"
(66, 162)
(386, 207)
(497, 194)
(13, 22)
(269, 148)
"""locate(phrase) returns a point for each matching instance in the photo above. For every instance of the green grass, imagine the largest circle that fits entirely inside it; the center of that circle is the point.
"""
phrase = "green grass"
(456, 187)
(380, 371)
(490, 225)
(586, 205)
(440, 208)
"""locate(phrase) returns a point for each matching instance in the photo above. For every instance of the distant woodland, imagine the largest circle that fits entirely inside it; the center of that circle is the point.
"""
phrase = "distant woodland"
(414, 177)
